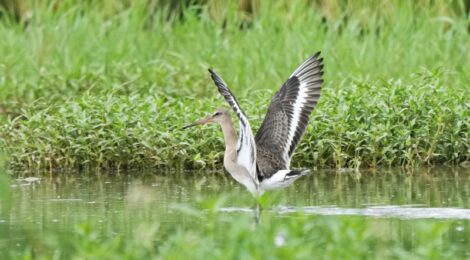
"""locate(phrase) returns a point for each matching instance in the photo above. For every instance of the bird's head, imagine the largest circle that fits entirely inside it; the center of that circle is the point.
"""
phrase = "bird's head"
(219, 116)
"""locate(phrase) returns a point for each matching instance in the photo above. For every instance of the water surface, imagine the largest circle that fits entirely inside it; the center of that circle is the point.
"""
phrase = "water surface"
(119, 202)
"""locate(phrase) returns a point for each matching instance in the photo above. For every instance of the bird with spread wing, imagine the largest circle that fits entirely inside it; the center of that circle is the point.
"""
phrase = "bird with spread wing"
(262, 162)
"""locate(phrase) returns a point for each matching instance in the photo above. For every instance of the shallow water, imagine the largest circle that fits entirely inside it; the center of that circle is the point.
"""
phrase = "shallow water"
(402, 212)
(120, 202)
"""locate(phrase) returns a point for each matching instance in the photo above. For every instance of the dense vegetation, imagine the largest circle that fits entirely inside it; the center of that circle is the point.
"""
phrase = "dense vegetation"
(104, 85)
(108, 84)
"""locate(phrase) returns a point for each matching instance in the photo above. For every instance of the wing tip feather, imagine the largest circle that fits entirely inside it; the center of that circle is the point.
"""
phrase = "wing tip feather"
(212, 72)
(314, 62)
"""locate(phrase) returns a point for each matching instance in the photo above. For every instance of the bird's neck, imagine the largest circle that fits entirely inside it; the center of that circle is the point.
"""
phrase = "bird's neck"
(230, 135)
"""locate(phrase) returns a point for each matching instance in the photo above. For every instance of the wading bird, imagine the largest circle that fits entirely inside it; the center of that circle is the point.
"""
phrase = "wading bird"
(262, 162)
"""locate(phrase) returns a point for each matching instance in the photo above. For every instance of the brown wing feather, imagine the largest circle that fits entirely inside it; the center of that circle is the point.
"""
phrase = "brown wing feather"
(287, 117)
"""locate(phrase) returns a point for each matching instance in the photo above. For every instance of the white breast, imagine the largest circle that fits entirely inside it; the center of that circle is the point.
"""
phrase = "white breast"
(241, 175)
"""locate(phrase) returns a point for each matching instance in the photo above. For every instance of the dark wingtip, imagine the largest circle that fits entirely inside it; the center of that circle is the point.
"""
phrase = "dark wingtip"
(214, 75)
(212, 72)
(317, 57)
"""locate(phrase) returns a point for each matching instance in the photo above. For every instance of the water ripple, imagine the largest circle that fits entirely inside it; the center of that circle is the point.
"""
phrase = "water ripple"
(402, 212)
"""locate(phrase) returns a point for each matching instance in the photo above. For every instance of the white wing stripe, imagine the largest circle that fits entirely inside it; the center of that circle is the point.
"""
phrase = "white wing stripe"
(246, 148)
(295, 117)
(245, 152)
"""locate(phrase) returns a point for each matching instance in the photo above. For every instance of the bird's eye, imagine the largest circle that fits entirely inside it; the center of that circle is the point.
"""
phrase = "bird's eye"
(217, 114)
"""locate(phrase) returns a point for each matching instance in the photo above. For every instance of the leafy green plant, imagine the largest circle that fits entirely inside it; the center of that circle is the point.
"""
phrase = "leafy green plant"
(362, 124)
(88, 85)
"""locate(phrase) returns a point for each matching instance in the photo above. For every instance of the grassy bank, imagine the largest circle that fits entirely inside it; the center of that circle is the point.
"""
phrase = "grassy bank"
(101, 86)
(363, 124)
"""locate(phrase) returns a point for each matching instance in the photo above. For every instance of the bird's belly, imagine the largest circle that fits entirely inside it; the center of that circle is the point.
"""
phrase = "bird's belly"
(241, 175)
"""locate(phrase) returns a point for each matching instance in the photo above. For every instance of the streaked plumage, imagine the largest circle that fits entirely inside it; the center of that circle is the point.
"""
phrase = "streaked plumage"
(287, 117)
(263, 162)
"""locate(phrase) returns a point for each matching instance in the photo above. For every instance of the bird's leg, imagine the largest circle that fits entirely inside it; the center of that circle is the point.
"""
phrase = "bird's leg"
(257, 208)
(257, 213)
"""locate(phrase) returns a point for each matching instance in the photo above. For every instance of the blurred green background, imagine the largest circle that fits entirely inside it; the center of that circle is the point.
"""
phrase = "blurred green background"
(123, 74)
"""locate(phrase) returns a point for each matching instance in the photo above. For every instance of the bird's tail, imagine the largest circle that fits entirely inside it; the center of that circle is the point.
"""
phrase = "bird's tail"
(282, 179)
(295, 173)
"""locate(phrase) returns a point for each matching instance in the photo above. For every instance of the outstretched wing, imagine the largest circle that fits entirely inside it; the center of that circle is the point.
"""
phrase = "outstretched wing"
(288, 116)
(246, 153)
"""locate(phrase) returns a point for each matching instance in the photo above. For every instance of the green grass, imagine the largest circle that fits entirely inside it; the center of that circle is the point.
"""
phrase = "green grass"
(102, 87)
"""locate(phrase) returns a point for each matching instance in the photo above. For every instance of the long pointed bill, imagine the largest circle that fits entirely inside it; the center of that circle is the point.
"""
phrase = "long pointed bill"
(198, 122)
